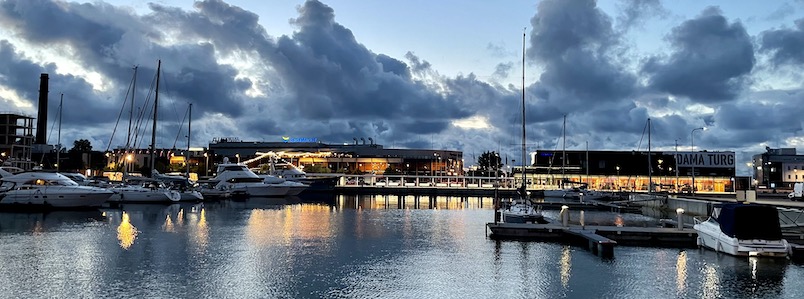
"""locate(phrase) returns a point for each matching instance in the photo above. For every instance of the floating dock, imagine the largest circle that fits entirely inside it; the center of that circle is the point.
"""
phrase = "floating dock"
(601, 240)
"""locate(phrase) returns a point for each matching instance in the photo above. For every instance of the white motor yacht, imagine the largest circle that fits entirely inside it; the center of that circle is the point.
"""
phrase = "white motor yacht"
(238, 179)
(743, 230)
(49, 189)
(294, 188)
(144, 190)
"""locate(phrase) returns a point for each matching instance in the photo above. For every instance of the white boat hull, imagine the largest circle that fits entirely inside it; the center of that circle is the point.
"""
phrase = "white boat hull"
(57, 197)
(261, 190)
(710, 236)
(137, 194)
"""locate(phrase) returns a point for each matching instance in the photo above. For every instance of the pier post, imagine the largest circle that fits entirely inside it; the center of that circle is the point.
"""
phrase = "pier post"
(564, 216)
(583, 224)
(679, 213)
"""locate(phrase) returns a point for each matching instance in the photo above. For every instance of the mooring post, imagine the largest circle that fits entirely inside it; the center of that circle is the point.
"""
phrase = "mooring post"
(583, 224)
(680, 220)
(496, 207)
(564, 215)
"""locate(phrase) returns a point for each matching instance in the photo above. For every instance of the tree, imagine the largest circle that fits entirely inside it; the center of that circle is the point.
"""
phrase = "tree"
(489, 162)
(81, 146)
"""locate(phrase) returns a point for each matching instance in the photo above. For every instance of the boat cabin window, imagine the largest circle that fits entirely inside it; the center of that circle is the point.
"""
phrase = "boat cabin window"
(246, 180)
(235, 168)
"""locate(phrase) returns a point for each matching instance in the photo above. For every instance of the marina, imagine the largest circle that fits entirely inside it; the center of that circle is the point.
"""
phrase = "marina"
(349, 246)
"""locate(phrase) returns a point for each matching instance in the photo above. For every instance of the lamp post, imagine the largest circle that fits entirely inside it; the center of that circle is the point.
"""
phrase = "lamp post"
(238, 158)
(692, 145)
(618, 176)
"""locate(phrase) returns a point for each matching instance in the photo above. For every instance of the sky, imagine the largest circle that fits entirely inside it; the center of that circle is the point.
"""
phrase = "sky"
(416, 74)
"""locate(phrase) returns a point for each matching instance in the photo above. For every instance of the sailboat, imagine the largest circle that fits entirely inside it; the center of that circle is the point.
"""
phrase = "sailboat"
(146, 190)
(182, 184)
(522, 209)
(576, 190)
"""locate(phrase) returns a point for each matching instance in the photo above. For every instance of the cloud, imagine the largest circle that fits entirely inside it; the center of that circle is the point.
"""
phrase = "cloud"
(710, 63)
(575, 43)
(784, 45)
(635, 13)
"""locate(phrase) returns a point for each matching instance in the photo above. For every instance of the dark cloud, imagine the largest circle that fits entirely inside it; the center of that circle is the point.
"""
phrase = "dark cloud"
(503, 69)
(575, 43)
(710, 62)
(785, 45)
(635, 13)
(103, 38)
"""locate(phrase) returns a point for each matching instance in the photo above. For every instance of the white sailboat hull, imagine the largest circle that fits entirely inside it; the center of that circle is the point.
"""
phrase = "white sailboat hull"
(137, 194)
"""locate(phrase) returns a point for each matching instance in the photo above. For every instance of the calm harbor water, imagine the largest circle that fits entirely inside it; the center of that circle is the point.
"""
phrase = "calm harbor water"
(350, 247)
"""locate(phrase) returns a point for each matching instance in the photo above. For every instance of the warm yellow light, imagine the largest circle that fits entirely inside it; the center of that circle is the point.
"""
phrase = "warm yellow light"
(129, 157)
(126, 233)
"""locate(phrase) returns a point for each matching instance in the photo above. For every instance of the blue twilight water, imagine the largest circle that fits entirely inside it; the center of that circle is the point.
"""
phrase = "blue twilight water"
(364, 247)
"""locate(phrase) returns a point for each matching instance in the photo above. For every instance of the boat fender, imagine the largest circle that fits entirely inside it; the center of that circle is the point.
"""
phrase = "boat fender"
(698, 241)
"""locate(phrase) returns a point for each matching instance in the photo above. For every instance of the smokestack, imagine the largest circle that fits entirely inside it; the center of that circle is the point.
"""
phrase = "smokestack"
(41, 118)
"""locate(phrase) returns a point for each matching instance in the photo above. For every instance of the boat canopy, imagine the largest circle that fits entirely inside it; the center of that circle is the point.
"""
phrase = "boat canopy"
(750, 221)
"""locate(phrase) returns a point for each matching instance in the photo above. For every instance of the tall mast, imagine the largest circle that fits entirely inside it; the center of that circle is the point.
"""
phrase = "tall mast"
(129, 144)
(187, 153)
(524, 164)
(58, 142)
(650, 166)
(563, 149)
(156, 106)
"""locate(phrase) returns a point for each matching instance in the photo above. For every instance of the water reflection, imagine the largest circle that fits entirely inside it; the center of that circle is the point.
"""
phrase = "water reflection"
(126, 232)
(566, 266)
(285, 248)
(19, 222)
(681, 273)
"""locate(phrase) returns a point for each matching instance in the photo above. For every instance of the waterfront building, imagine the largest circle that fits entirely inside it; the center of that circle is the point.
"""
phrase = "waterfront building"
(16, 140)
(354, 157)
(632, 170)
(778, 168)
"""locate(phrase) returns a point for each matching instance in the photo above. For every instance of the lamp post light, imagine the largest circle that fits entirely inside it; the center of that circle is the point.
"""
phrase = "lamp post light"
(692, 145)
(618, 176)
(238, 158)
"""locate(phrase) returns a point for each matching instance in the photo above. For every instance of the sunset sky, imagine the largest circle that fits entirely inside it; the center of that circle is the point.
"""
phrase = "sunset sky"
(418, 74)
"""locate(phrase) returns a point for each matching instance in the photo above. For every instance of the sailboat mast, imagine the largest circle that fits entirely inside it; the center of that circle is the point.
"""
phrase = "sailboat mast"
(563, 148)
(524, 164)
(156, 106)
(650, 166)
(187, 153)
(58, 142)
(129, 144)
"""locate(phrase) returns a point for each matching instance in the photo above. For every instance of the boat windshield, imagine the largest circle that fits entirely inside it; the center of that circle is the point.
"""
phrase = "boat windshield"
(57, 182)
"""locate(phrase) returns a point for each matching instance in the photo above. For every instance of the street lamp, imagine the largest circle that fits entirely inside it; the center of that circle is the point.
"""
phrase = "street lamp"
(238, 158)
(692, 145)
(618, 176)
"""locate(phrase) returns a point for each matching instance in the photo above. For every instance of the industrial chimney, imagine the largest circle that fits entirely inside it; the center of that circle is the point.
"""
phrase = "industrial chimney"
(41, 118)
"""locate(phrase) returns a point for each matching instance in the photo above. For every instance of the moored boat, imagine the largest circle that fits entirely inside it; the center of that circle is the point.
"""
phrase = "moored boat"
(48, 190)
(743, 230)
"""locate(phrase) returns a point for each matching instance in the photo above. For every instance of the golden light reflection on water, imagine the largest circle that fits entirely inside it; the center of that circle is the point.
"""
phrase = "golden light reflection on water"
(304, 222)
(180, 218)
(566, 266)
(202, 230)
(168, 226)
(681, 273)
(126, 233)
